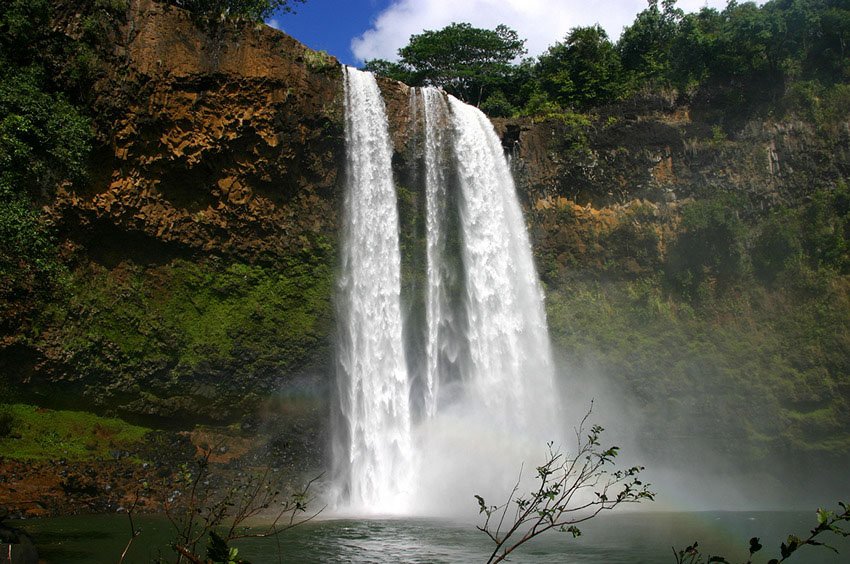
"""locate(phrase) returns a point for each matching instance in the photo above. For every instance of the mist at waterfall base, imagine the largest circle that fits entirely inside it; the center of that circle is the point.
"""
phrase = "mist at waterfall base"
(459, 399)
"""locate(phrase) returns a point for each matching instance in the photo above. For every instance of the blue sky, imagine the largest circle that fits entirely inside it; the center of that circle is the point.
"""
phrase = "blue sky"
(356, 30)
(330, 25)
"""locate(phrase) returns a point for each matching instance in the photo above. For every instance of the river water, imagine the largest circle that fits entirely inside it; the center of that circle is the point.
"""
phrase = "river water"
(631, 537)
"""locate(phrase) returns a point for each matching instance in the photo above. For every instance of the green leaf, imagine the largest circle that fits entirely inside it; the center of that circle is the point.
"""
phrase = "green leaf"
(217, 549)
(823, 516)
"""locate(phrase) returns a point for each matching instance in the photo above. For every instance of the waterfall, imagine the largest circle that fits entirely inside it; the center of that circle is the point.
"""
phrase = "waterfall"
(510, 365)
(487, 395)
(486, 325)
(376, 458)
(439, 342)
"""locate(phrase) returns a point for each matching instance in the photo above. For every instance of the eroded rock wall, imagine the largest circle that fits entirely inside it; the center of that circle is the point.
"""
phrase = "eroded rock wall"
(216, 184)
(224, 141)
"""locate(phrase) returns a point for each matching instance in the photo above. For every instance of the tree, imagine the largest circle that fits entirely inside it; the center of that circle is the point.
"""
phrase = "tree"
(645, 45)
(582, 71)
(733, 56)
(693, 48)
(390, 69)
(571, 489)
(251, 10)
(465, 61)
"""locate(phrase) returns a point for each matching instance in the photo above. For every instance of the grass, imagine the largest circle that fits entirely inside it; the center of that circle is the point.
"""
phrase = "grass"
(44, 434)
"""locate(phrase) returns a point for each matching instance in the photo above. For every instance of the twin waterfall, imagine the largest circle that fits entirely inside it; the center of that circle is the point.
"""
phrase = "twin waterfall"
(419, 431)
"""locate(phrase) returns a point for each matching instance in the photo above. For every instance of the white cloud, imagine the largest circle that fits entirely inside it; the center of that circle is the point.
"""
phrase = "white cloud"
(540, 22)
(275, 24)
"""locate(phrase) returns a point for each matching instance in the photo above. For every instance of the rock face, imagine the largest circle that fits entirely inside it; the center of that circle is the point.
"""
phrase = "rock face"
(217, 182)
(666, 152)
(202, 251)
(225, 141)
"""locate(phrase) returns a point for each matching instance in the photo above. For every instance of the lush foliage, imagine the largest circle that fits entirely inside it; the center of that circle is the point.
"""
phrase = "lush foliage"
(466, 61)
(201, 321)
(45, 134)
(645, 47)
(251, 10)
(583, 71)
(739, 58)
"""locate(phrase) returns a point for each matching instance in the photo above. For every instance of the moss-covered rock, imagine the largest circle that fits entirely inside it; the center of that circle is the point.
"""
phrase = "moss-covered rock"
(185, 339)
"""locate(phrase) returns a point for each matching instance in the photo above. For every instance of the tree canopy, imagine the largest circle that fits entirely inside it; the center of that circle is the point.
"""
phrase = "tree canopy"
(465, 61)
(645, 46)
(252, 10)
(737, 57)
(582, 71)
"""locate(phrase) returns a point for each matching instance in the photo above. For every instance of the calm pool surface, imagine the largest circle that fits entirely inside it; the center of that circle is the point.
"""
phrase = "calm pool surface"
(611, 539)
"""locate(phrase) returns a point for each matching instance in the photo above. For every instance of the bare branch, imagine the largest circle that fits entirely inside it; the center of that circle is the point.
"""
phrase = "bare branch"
(134, 532)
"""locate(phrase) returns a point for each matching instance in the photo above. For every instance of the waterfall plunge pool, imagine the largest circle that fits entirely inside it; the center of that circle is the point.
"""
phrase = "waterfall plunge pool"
(627, 537)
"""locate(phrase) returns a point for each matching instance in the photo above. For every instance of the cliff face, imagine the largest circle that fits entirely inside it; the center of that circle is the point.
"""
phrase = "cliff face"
(225, 142)
(216, 187)
(201, 252)
(634, 167)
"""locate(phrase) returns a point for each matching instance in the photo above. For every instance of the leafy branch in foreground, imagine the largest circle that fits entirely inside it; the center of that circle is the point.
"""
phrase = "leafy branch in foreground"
(828, 522)
(570, 490)
(225, 516)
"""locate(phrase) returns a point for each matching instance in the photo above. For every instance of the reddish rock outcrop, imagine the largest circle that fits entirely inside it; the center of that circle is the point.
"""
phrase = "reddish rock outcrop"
(225, 141)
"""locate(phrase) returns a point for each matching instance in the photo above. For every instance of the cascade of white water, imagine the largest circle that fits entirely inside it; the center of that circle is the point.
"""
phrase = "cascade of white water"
(510, 362)
(438, 313)
(377, 452)
(485, 328)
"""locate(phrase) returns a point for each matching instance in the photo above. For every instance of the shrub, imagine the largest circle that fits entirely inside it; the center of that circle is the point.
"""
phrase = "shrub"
(710, 250)
(777, 243)
(7, 423)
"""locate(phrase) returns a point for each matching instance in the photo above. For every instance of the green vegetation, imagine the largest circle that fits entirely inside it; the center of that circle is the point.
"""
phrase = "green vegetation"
(464, 60)
(741, 58)
(42, 434)
(175, 335)
(251, 10)
(582, 72)
(45, 136)
(740, 327)
(709, 249)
